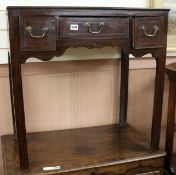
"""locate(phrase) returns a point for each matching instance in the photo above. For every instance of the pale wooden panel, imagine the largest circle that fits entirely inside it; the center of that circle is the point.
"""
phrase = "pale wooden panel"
(5, 108)
(3, 20)
(5, 111)
(74, 99)
(141, 94)
(70, 81)
(141, 86)
(4, 39)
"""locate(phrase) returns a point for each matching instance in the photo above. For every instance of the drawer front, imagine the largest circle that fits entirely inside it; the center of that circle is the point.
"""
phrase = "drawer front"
(144, 167)
(94, 27)
(117, 171)
(37, 33)
(110, 171)
(148, 32)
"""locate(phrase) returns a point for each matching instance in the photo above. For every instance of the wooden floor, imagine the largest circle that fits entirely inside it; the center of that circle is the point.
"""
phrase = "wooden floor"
(77, 149)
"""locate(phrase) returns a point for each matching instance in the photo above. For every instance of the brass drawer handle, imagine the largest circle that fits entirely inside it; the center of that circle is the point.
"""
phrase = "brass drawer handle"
(29, 29)
(155, 28)
(88, 26)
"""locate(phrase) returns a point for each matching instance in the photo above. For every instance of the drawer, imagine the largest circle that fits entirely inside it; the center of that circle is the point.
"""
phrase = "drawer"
(148, 32)
(111, 171)
(144, 167)
(115, 171)
(37, 33)
(79, 27)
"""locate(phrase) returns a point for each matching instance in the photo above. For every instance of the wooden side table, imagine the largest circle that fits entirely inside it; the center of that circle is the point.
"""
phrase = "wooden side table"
(45, 32)
(171, 72)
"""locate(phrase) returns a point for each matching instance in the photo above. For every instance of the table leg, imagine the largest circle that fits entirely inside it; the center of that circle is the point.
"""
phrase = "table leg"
(170, 126)
(12, 97)
(17, 91)
(124, 89)
(158, 100)
(18, 103)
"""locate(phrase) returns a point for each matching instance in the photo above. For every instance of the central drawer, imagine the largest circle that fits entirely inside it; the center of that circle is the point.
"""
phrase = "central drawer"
(94, 27)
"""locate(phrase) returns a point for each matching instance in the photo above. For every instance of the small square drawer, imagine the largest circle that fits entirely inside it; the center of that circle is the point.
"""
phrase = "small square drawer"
(148, 32)
(37, 33)
(93, 27)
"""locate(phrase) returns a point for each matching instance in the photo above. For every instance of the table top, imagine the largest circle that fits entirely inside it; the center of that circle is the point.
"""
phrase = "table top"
(83, 7)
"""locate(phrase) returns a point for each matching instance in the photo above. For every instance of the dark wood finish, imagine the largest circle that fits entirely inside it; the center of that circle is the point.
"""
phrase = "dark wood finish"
(171, 72)
(124, 89)
(113, 27)
(12, 97)
(16, 82)
(121, 28)
(158, 98)
(48, 43)
(94, 150)
(143, 41)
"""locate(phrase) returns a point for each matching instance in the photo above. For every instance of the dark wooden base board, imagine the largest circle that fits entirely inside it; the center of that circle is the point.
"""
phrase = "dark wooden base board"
(101, 149)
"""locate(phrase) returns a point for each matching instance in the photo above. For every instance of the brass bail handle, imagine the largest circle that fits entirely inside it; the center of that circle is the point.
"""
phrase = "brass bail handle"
(100, 26)
(155, 30)
(43, 30)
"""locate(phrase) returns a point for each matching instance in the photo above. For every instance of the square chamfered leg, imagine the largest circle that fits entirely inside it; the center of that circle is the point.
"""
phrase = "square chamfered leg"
(11, 96)
(17, 92)
(124, 89)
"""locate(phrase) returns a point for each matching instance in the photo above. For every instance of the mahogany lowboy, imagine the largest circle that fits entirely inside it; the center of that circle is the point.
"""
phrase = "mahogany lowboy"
(44, 32)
